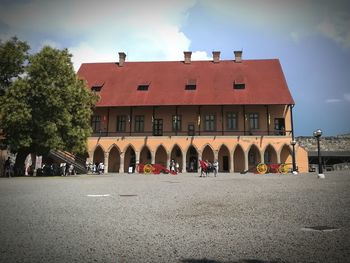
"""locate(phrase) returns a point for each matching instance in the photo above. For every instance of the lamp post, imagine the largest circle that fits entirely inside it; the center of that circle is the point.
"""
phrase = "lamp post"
(293, 143)
(317, 135)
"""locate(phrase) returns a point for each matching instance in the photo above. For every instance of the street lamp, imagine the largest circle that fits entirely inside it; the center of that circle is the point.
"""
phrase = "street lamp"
(293, 143)
(317, 135)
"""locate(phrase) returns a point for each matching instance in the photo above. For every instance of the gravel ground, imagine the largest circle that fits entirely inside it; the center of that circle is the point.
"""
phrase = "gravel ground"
(163, 218)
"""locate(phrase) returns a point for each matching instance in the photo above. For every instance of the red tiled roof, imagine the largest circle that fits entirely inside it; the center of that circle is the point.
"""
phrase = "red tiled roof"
(264, 83)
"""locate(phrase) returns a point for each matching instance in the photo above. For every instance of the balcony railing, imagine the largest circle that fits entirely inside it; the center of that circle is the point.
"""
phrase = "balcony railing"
(195, 133)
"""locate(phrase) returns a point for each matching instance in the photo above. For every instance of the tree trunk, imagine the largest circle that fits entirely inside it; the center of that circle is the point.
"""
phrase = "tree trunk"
(20, 159)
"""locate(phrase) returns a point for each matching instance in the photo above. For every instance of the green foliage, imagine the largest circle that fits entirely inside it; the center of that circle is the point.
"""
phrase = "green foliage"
(13, 54)
(50, 108)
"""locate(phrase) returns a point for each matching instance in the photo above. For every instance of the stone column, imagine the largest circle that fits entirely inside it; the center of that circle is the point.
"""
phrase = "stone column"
(184, 163)
(232, 164)
(137, 160)
(262, 157)
(216, 155)
(153, 159)
(106, 162)
(246, 165)
(121, 166)
(167, 161)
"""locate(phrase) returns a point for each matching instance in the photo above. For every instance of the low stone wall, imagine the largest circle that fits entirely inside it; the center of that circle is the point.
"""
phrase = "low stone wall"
(330, 143)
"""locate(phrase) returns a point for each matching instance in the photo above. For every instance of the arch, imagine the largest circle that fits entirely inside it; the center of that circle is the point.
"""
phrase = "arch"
(192, 159)
(145, 155)
(112, 146)
(176, 155)
(99, 155)
(161, 156)
(129, 159)
(208, 154)
(114, 160)
(224, 159)
(254, 157)
(238, 159)
(270, 155)
(286, 154)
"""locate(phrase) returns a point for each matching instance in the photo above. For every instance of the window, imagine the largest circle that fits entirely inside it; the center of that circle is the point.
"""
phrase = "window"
(96, 123)
(254, 121)
(158, 127)
(191, 129)
(279, 126)
(238, 85)
(142, 87)
(96, 88)
(231, 121)
(209, 122)
(191, 87)
(176, 122)
(139, 123)
(121, 123)
(191, 84)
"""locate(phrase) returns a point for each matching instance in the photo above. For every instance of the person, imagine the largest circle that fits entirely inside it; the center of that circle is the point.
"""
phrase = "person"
(66, 171)
(101, 168)
(172, 165)
(216, 167)
(7, 167)
(177, 167)
(204, 168)
(71, 168)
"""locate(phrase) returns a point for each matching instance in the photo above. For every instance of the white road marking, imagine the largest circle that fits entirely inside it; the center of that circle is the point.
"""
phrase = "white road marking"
(99, 195)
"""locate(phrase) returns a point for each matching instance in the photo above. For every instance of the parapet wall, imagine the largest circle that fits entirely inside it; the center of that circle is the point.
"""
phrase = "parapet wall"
(330, 143)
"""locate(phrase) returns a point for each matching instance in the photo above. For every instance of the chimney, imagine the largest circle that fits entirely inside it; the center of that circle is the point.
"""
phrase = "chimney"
(187, 57)
(122, 57)
(238, 56)
(216, 56)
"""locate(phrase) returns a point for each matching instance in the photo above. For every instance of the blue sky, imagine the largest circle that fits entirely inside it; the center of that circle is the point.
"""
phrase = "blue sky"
(310, 37)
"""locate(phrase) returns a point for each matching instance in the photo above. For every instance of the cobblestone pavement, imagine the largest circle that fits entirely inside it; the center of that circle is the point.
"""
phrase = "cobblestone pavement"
(163, 218)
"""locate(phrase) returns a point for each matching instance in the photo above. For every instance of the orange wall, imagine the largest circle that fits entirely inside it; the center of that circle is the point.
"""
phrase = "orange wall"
(280, 144)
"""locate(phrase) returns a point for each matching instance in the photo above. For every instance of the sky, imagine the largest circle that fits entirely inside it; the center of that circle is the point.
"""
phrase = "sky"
(311, 38)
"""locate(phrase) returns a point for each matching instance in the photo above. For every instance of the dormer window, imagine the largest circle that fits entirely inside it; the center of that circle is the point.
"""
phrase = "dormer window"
(143, 87)
(191, 84)
(97, 86)
(238, 85)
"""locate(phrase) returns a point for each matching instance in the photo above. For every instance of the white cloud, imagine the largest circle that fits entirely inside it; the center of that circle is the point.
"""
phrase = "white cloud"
(337, 28)
(147, 30)
(333, 100)
(200, 55)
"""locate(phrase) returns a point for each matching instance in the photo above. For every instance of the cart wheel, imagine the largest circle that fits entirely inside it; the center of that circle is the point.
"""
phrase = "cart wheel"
(261, 168)
(148, 168)
(283, 168)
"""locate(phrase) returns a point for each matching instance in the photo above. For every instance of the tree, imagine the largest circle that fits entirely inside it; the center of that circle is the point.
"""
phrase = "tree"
(13, 55)
(48, 109)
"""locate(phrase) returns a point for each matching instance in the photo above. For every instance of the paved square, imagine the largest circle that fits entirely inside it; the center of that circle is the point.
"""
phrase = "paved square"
(184, 218)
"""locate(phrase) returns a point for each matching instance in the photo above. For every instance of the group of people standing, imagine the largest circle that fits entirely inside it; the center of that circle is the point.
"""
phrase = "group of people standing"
(98, 168)
(208, 167)
(67, 169)
(174, 166)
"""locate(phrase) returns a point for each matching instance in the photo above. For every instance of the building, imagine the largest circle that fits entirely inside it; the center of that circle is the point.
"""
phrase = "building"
(236, 111)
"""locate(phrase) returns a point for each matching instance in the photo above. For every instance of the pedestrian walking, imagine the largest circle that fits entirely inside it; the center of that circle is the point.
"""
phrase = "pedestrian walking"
(177, 167)
(8, 167)
(216, 167)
